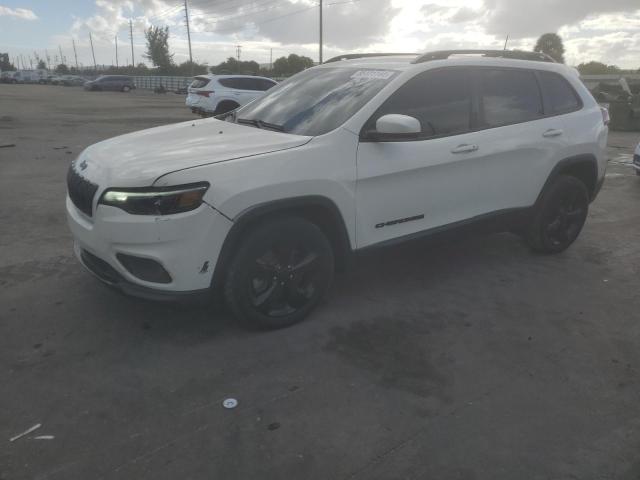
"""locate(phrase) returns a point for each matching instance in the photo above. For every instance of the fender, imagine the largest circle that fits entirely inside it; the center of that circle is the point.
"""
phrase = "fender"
(320, 210)
(586, 163)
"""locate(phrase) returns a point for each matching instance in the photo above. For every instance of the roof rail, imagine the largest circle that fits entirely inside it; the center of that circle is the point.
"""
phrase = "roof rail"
(353, 56)
(513, 54)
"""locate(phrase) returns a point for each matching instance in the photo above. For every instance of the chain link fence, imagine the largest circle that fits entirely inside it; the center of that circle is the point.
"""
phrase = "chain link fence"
(167, 82)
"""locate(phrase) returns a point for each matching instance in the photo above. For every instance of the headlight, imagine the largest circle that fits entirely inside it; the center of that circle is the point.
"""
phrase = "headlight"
(156, 201)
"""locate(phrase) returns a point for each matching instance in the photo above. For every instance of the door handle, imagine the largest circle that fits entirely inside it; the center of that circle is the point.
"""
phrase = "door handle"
(464, 148)
(552, 132)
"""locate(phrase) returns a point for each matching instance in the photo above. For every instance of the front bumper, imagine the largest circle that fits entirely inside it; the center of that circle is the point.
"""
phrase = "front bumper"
(186, 245)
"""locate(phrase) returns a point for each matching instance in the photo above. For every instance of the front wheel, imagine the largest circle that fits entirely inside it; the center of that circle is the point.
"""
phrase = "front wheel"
(126, 89)
(559, 216)
(280, 273)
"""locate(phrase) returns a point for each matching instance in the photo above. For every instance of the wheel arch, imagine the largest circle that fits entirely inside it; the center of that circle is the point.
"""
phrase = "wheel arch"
(317, 209)
(583, 167)
(227, 101)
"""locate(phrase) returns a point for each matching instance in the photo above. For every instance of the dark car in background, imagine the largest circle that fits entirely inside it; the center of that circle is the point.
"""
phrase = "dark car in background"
(116, 83)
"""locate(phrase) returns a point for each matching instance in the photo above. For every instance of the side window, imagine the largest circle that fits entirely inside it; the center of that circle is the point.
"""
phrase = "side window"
(264, 84)
(229, 82)
(439, 99)
(559, 95)
(509, 96)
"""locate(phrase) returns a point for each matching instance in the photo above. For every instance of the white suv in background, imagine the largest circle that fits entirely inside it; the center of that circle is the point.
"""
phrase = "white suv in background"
(344, 157)
(215, 94)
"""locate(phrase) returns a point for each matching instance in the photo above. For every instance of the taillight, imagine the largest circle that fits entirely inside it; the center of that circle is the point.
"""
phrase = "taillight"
(204, 93)
(605, 115)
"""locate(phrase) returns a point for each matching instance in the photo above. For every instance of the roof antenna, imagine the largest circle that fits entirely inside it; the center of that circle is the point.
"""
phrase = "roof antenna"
(505, 42)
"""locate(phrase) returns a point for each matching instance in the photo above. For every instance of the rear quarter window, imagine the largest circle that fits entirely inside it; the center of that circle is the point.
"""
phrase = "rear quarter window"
(559, 95)
(199, 82)
(230, 83)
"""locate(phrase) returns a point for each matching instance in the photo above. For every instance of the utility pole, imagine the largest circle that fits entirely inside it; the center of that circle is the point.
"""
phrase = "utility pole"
(505, 42)
(117, 51)
(320, 43)
(61, 56)
(271, 60)
(95, 67)
(238, 49)
(186, 16)
(75, 54)
(133, 62)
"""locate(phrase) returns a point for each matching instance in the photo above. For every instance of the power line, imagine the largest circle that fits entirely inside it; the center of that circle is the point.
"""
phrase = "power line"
(233, 17)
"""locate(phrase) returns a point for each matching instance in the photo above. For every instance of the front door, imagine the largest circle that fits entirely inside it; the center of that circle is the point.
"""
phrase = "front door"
(404, 187)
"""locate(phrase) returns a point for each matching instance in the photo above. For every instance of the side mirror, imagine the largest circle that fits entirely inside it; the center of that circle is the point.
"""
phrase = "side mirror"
(395, 127)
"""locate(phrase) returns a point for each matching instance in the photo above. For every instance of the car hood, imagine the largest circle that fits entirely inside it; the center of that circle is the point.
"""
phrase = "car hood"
(139, 158)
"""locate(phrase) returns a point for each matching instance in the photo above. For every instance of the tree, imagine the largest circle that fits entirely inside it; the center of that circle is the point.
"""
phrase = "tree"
(233, 66)
(551, 44)
(62, 69)
(42, 65)
(597, 68)
(5, 64)
(158, 47)
(285, 66)
(188, 68)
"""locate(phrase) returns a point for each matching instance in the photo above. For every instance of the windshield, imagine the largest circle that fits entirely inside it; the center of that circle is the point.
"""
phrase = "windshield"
(315, 101)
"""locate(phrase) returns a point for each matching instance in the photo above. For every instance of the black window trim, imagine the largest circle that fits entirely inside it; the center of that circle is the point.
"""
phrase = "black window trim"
(476, 114)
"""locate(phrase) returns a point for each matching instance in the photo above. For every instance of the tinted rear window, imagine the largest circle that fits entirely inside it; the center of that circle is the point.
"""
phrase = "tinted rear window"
(256, 84)
(560, 96)
(229, 82)
(199, 82)
(509, 96)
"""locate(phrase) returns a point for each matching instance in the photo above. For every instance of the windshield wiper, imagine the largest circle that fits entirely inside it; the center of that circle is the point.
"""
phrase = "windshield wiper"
(260, 124)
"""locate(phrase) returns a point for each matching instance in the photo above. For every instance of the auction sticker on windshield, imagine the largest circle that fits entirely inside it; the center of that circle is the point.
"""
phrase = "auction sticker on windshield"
(373, 74)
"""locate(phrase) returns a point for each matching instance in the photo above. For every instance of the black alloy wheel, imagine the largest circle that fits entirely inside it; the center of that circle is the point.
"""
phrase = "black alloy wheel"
(560, 215)
(280, 273)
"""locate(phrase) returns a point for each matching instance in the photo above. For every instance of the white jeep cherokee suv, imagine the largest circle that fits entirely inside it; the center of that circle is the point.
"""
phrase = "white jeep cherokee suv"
(210, 95)
(265, 204)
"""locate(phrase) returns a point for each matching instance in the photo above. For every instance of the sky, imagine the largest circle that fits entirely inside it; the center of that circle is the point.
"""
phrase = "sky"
(602, 30)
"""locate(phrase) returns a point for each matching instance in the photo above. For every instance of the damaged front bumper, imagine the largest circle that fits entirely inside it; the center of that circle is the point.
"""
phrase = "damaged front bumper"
(153, 257)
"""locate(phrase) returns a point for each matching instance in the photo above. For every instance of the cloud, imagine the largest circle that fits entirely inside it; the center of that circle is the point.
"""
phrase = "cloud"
(347, 25)
(21, 13)
(526, 18)
(591, 29)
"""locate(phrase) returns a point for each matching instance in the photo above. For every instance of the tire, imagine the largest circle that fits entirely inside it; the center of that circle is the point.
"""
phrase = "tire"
(279, 274)
(224, 107)
(126, 89)
(559, 216)
(638, 172)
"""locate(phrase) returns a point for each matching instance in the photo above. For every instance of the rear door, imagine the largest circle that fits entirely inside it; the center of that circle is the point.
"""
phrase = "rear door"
(519, 143)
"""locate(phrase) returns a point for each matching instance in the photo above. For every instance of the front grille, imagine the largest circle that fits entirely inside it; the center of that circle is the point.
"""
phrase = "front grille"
(81, 191)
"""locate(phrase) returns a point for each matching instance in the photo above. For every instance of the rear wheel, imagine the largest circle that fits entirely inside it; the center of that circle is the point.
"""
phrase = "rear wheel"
(560, 215)
(280, 273)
